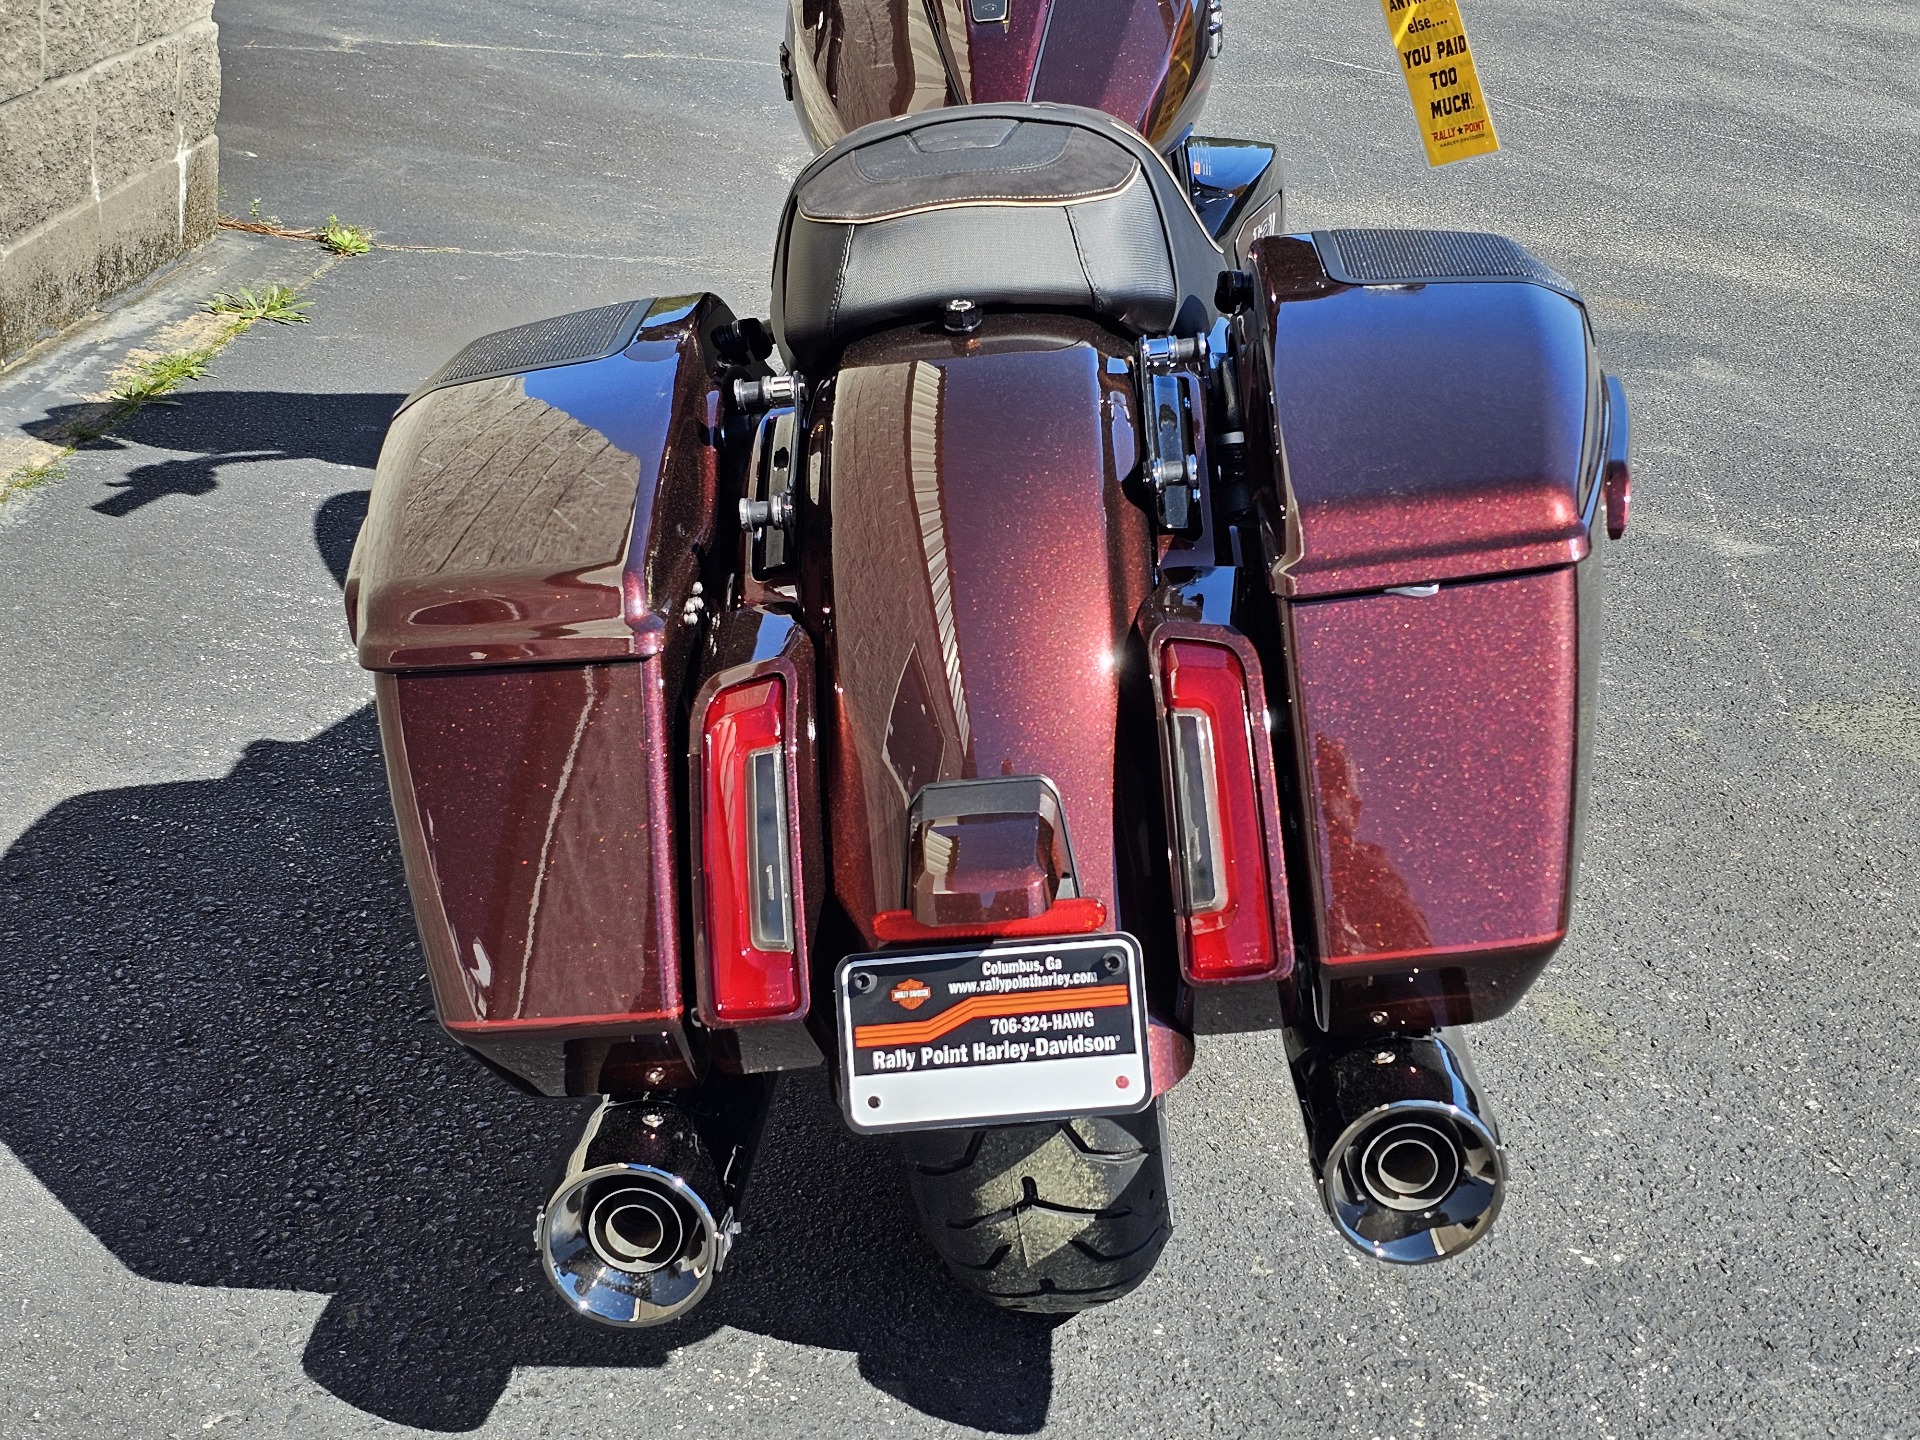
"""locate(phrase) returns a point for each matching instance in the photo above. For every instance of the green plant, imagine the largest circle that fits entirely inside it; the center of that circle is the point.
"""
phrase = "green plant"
(278, 303)
(345, 239)
(29, 478)
(147, 382)
(155, 378)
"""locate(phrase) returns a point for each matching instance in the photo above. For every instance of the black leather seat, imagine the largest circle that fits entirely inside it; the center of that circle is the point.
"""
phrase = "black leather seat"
(1033, 206)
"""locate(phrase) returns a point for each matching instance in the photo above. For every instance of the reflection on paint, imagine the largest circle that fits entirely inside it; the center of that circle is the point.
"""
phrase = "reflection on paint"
(1369, 907)
(923, 455)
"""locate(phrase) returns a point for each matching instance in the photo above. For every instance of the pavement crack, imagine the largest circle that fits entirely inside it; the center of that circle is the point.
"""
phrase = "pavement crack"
(355, 44)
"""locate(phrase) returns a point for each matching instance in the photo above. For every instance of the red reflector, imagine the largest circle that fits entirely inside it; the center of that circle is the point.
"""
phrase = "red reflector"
(1063, 917)
(1619, 498)
(752, 955)
(1220, 848)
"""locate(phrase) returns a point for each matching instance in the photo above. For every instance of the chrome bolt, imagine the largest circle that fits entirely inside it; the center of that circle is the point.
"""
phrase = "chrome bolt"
(1379, 1017)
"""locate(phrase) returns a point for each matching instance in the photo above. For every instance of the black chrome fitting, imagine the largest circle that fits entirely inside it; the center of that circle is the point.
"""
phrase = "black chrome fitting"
(961, 317)
(1406, 1153)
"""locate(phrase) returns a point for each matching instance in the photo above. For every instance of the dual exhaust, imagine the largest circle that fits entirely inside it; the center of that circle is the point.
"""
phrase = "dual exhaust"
(1407, 1157)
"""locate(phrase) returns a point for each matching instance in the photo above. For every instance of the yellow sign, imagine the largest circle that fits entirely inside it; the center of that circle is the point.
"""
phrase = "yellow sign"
(1447, 102)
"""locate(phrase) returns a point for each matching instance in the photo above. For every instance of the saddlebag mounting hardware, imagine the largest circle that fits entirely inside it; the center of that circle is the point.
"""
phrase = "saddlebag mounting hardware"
(753, 396)
(1163, 352)
(1170, 462)
(1216, 28)
(690, 614)
(745, 342)
(1233, 292)
(767, 513)
(757, 515)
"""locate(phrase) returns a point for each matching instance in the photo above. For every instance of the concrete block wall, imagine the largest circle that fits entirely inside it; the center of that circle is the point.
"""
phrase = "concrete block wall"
(108, 163)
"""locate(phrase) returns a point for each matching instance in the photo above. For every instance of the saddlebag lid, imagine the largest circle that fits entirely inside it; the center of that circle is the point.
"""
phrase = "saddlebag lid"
(1436, 400)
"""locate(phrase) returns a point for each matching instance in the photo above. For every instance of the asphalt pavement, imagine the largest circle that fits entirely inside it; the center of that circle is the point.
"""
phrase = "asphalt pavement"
(249, 1189)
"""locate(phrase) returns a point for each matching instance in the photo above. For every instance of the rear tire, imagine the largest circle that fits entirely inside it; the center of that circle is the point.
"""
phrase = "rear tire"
(1048, 1219)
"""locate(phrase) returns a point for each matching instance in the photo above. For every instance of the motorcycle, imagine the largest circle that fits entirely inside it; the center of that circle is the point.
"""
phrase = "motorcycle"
(1105, 628)
(847, 63)
(1147, 63)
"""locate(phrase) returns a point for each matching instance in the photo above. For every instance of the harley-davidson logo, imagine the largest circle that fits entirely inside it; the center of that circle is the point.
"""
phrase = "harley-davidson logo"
(910, 994)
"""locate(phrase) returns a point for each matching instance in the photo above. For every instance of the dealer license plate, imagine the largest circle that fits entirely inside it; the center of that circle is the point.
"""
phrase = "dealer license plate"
(1032, 1030)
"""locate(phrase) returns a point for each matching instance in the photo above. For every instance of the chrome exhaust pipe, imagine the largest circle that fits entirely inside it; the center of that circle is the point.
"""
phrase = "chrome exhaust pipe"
(1406, 1153)
(643, 1217)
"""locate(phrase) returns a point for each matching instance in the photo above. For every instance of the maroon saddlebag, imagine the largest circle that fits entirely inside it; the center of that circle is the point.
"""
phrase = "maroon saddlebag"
(1439, 427)
(534, 534)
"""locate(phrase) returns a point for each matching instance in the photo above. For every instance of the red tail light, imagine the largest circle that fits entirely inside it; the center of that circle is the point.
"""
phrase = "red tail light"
(1219, 841)
(753, 955)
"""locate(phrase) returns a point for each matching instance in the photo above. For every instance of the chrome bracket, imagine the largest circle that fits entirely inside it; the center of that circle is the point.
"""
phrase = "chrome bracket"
(767, 513)
(1170, 461)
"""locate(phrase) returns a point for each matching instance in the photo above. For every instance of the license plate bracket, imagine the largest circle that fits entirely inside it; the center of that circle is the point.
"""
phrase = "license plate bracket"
(993, 1034)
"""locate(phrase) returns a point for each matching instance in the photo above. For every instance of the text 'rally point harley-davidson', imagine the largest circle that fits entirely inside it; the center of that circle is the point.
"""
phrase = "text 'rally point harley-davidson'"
(1089, 640)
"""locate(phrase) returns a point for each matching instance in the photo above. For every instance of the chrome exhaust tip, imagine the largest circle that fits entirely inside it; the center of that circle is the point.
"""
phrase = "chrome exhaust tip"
(640, 1224)
(1407, 1156)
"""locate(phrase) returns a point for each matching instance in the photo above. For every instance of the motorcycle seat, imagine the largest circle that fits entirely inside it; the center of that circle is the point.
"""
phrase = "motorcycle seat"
(1028, 206)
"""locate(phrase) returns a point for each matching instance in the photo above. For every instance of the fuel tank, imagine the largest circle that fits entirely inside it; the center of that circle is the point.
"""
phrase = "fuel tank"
(1146, 62)
(976, 591)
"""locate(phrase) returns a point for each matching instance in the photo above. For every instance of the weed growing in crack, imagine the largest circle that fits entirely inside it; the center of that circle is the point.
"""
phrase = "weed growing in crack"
(346, 239)
(279, 303)
(147, 382)
(29, 478)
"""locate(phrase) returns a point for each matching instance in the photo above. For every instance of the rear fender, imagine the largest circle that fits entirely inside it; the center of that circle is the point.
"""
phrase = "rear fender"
(975, 568)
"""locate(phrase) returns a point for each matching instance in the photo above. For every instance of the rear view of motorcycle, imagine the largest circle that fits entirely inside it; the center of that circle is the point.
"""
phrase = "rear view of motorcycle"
(1111, 622)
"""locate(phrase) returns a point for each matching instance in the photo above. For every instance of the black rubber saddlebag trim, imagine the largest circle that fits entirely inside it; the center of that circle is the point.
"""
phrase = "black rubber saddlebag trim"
(564, 340)
(1419, 257)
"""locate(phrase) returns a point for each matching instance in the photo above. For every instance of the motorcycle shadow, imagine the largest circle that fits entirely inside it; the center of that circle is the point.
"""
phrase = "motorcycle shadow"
(219, 434)
(219, 1052)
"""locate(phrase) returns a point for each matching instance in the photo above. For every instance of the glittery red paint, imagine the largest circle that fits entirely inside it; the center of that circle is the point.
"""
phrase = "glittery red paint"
(530, 838)
(1145, 62)
(985, 569)
(558, 516)
(1439, 738)
(1432, 432)
(1141, 61)
(1437, 438)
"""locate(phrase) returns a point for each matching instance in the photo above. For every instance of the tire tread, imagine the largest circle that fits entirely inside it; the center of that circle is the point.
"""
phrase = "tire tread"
(1047, 1218)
